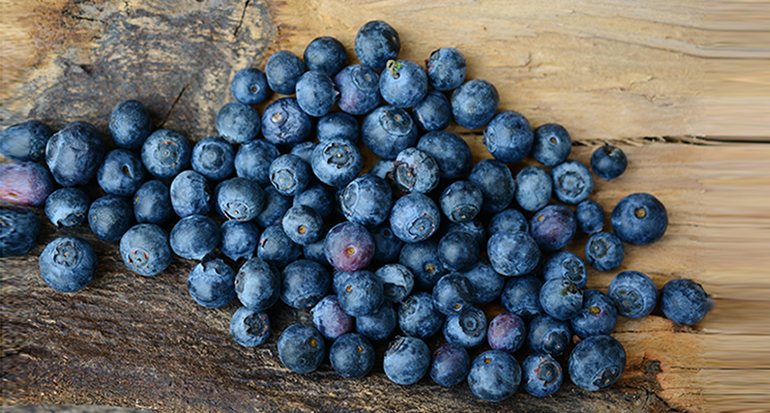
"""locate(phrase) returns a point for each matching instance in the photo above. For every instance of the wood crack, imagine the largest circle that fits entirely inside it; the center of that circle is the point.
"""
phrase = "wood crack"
(240, 22)
(173, 105)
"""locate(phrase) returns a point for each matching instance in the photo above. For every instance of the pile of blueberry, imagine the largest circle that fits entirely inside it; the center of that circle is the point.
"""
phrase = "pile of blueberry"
(416, 246)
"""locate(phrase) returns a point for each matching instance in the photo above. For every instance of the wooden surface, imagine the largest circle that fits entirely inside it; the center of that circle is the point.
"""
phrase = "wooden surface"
(638, 75)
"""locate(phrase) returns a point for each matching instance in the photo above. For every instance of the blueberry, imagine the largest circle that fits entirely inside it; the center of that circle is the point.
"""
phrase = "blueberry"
(249, 328)
(553, 227)
(289, 174)
(359, 88)
(397, 282)
(513, 253)
(634, 294)
(316, 93)
(461, 201)
(552, 144)
(130, 124)
(276, 247)
(403, 83)
(446, 68)
(533, 188)
(572, 182)
(74, 153)
(214, 158)
(190, 194)
(387, 247)
(458, 250)
(507, 332)
(317, 197)
(25, 183)
(240, 199)
(598, 315)
(434, 112)
(239, 239)
(450, 364)
(305, 282)
(336, 162)
(352, 356)
(301, 348)
(422, 259)
(451, 153)
(684, 301)
(378, 326)
(304, 150)
(474, 103)
(414, 218)
(194, 237)
(122, 173)
(249, 86)
(589, 216)
(508, 220)
(381, 168)
(521, 296)
(561, 298)
(68, 264)
(326, 55)
(639, 219)
(338, 125)
(487, 283)
(418, 316)
(475, 228)
(608, 162)
(406, 360)
(19, 231)
(349, 246)
(238, 122)
(253, 161)
(467, 328)
(110, 217)
(329, 318)
(376, 43)
(282, 70)
(275, 207)
(566, 265)
(361, 293)
(165, 153)
(452, 294)
(541, 375)
(25, 141)
(509, 136)
(210, 283)
(415, 171)
(549, 335)
(388, 130)
(284, 123)
(366, 200)
(604, 251)
(257, 284)
(145, 249)
(315, 252)
(152, 203)
(596, 363)
(494, 376)
(495, 181)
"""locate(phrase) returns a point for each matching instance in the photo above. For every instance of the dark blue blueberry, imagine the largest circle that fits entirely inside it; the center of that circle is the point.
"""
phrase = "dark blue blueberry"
(19, 231)
(253, 161)
(190, 194)
(415, 171)
(210, 283)
(289, 174)
(561, 298)
(513, 253)
(451, 153)
(549, 335)
(326, 55)
(422, 259)
(25, 141)
(521, 296)
(68, 264)
(304, 150)
(541, 375)
(388, 131)
(381, 168)
(403, 83)
(317, 197)
(275, 207)
(494, 376)
(495, 181)
(361, 293)
(475, 228)
(572, 182)
(240, 199)
(367, 200)
(194, 237)
(145, 249)
(239, 239)
(25, 183)
(67, 207)
(552, 144)
(596, 363)
(74, 153)
(338, 125)
(376, 43)
(352, 356)
(316, 93)
(238, 122)
(418, 317)
(301, 348)
(152, 203)
(534, 188)
(458, 250)
(276, 247)
(507, 332)
(303, 224)
(634, 294)
(359, 88)
(336, 162)
(608, 162)
(130, 124)
(110, 217)
(378, 326)
(452, 294)
(305, 282)
(329, 318)
(434, 112)
(590, 216)
(258, 284)
(397, 282)
(284, 123)
(508, 220)
(604, 251)
(349, 246)
(387, 246)
(487, 283)
(474, 103)
(249, 328)
(684, 301)
(282, 70)
(249, 86)
(446, 68)
(509, 136)
(315, 252)
(213, 158)
(598, 315)
(461, 201)
(165, 153)
(450, 364)
(567, 265)
(414, 218)
(553, 227)
(406, 360)
(467, 328)
(639, 219)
